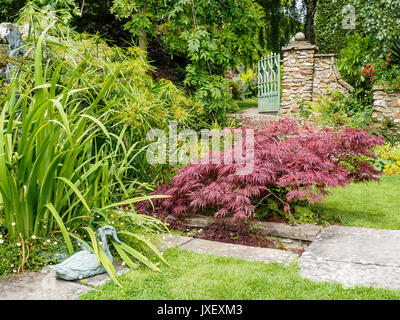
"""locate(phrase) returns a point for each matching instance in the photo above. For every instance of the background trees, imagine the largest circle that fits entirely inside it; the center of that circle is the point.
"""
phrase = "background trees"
(370, 40)
(283, 19)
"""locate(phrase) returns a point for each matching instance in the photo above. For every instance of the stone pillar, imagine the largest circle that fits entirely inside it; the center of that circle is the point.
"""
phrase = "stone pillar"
(298, 74)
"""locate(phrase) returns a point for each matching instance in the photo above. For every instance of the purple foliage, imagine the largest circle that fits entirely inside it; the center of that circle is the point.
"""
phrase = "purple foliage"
(301, 161)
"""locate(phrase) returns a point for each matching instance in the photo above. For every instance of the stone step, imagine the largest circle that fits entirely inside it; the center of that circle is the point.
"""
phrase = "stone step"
(306, 232)
(43, 285)
(354, 257)
(266, 255)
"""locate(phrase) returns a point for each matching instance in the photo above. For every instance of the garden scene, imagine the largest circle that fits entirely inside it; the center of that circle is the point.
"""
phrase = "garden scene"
(200, 150)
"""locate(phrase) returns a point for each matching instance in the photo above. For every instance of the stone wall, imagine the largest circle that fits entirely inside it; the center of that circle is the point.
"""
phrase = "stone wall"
(386, 104)
(306, 75)
(327, 77)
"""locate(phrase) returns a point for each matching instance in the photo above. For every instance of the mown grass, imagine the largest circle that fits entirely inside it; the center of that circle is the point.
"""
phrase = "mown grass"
(247, 104)
(199, 276)
(370, 204)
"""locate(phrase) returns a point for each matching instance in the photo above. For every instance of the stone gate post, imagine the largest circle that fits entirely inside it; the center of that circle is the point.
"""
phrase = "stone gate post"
(298, 74)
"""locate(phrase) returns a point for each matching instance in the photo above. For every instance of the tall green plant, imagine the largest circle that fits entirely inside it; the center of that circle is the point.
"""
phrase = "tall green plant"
(50, 152)
(59, 165)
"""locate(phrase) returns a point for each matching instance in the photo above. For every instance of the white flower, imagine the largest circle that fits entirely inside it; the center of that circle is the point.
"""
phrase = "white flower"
(13, 224)
(14, 271)
(1, 241)
(55, 242)
(33, 237)
(48, 241)
(1, 236)
(18, 244)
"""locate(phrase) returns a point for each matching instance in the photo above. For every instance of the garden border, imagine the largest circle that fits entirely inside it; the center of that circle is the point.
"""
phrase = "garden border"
(304, 232)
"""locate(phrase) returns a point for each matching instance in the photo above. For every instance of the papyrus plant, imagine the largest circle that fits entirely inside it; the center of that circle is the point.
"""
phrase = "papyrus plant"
(60, 166)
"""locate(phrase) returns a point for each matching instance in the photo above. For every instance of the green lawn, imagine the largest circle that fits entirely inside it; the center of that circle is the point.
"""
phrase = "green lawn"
(370, 204)
(198, 276)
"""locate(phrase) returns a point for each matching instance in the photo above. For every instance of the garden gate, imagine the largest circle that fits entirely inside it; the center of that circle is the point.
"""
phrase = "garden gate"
(268, 83)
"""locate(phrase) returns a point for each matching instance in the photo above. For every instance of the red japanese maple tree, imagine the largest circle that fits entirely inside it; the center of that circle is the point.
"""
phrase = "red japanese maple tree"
(299, 161)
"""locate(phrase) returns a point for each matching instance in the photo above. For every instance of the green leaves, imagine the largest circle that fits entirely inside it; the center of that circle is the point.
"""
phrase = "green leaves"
(65, 155)
(395, 52)
(212, 35)
(56, 167)
(62, 227)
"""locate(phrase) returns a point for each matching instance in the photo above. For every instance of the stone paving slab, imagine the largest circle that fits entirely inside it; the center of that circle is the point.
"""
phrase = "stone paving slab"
(351, 274)
(238, 251)
(43, 285)
(101, 278)
(306, 232)
(354, 256)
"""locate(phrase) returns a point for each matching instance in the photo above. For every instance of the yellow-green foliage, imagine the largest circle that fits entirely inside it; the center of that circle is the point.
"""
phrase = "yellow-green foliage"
(389, 155)
(138, 100)
(247, 76)
(135, 99)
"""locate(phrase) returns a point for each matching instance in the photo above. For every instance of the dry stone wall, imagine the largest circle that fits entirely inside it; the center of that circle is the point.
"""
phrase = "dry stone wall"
(327, 77)
(386, 104)
(307, 75)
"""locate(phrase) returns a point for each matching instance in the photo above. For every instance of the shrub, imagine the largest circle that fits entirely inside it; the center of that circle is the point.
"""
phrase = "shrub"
(30, 254)
(388, 159)
(62, 168)
(134, 103)
(236, 90)
(291, 163)
(338, 109)
(353, 58)
(395, 52)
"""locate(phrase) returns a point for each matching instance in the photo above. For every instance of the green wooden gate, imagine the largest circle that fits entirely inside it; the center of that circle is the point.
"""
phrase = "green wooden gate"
(268, 83)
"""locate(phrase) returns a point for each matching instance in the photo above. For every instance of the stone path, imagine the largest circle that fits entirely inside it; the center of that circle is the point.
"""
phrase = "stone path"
(354, 256)
(351, 256)
(44, 286)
